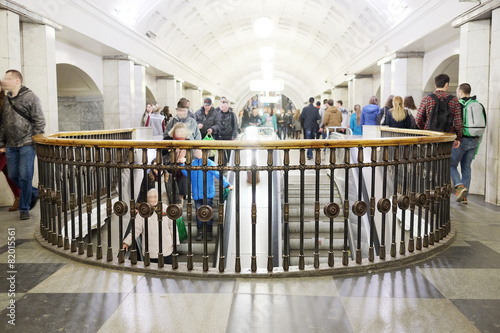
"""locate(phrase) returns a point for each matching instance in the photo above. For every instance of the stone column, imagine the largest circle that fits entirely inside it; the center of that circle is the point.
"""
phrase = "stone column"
(179, 90)
(139, 94)
(194, 96)
(360, 90)
(39, 68)
(491, 140)
(342, 93)
(119, 92)
(385, 81)
(474, 68)
(167, 92)
(406, 75)
(10, 33)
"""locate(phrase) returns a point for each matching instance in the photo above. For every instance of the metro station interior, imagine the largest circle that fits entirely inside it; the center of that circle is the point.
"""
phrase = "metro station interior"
(365, 236)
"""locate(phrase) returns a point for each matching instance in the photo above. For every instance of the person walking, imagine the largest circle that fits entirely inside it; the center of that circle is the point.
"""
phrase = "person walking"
(369, 112)
(22, 119)
(206, 118)
(3, 163)
(466, 152)
(309, 118)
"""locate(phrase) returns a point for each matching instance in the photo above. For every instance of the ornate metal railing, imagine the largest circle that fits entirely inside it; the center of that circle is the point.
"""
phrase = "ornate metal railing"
(399, 178)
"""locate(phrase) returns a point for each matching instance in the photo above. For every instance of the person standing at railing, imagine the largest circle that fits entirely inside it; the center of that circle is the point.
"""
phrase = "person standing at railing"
(409, 104)
(197, 190)
(345, 115)
(472, 134)
(166, 228)
(22, 119)
(333, 116)
(3, 163)
(449, 102)
(383, 111)
(355, 124)
(182, 117)
(370, 112)
(156, 121)
(309, 118)
(398, 116)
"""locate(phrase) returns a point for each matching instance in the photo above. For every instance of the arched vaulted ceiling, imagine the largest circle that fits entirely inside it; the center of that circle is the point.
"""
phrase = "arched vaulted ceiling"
(216, 38)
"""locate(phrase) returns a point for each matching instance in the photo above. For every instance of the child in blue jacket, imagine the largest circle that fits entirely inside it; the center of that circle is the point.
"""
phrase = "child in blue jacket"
(197, 190)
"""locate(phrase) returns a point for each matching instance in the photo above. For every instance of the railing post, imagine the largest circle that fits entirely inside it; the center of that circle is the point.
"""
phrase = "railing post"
(286, 212)
(345, 252)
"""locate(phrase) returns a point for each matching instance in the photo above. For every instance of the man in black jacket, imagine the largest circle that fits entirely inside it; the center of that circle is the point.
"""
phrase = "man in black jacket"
(227, 125)
(206, 117)
(309, 119)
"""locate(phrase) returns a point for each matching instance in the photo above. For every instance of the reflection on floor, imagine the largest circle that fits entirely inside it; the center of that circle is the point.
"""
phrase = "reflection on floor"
(455, 291)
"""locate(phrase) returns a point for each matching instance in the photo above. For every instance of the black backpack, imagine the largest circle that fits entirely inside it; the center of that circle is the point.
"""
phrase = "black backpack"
(441, 118)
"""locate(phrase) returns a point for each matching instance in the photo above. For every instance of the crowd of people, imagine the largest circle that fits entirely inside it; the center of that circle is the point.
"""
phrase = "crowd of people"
(21, 118)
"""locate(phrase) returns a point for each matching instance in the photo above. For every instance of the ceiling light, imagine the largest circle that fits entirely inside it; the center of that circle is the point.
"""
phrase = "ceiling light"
(268, 76)
(267, 66)
(263, 27)
(267, 53)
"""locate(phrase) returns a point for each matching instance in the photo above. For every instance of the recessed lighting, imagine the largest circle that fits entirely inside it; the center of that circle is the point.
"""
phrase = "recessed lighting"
(263, 27)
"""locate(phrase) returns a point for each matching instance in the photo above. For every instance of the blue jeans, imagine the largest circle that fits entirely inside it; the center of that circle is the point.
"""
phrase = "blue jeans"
(310, 134)
(463, 155)
(21, 163)
(198, 204)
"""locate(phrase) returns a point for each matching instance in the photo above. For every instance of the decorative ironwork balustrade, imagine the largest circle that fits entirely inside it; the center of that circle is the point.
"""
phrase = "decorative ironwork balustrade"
(386, 191)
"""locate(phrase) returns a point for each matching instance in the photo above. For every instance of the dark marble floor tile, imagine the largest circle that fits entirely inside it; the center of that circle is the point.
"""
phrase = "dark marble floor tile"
(19, 242)
(154, 284)
(405, 283)
(484, 313)
(63, 312)
(477, 255)
(286, 313)
(28, 276)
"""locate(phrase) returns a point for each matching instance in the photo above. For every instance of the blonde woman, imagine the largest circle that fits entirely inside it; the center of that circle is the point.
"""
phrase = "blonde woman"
(297, 125)
(398, 116)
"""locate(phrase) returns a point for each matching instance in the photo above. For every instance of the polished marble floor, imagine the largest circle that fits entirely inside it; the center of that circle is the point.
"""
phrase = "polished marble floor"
(455, 291)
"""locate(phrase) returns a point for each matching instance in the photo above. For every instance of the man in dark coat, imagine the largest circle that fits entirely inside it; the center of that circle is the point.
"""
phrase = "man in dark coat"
(206, 117)
(309, 119)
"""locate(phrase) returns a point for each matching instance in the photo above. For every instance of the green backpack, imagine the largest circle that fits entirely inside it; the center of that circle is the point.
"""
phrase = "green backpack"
(474, 117)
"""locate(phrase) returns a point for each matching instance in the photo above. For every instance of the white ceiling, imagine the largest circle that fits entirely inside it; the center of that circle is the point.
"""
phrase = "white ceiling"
(311, 38)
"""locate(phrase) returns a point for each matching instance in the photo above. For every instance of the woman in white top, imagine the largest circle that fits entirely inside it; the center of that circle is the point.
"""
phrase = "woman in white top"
(167, 232)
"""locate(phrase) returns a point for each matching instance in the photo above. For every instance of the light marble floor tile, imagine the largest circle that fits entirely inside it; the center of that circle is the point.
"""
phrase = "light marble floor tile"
(405, 315)
(321, 286)
(170, 313)
(78, 278)
(463, 283)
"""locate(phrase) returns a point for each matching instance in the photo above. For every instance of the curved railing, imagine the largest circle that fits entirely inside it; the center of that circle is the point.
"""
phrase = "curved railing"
(395, 190)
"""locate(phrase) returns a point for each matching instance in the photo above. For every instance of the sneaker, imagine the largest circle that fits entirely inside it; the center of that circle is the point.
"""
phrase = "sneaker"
(464, 201)
(460, 192)
(199, 237)
(34, 201)
(209, 236)
(25, 215)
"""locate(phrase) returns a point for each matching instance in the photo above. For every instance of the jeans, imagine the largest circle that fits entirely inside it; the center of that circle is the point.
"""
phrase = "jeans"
(463, 155)
(198, 204)
(21, 163)
(282, 131)
(310, 134)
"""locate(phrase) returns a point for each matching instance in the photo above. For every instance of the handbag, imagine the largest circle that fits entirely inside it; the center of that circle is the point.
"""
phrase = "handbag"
(181, 229)
(212, 152)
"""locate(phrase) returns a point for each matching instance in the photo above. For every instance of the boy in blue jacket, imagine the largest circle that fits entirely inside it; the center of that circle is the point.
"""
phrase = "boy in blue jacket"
(197, 190)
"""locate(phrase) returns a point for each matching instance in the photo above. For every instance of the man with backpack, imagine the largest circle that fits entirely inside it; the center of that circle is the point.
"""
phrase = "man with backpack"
(474, 120)
(441, 112)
